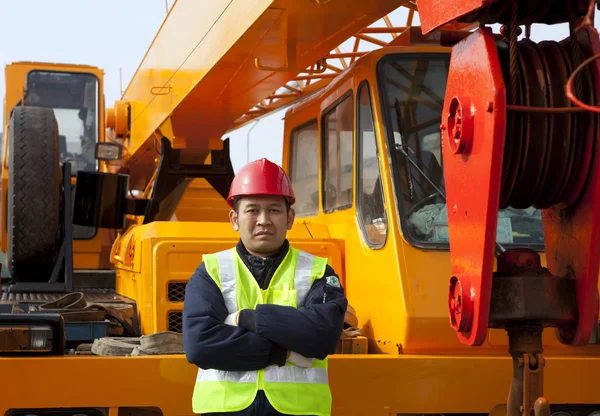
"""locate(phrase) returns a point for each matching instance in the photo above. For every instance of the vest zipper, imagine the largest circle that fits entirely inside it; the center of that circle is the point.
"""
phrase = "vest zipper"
(324, 293)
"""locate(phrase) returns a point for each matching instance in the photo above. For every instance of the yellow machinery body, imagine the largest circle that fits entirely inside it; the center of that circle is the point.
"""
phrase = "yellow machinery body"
(191, 90)
(166, 253)
(89, 252)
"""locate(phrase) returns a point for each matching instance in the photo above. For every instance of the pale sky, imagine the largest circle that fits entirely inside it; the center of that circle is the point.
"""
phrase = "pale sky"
(114, 34)
(110, 34)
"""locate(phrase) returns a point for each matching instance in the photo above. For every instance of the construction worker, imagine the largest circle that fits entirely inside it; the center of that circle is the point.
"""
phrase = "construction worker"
(260, 319)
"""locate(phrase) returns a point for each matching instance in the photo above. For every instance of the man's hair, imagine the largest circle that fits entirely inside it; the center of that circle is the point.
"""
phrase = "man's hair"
(236, 203)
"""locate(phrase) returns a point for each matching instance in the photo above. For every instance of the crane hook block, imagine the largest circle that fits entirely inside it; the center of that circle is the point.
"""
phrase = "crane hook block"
(500, 152)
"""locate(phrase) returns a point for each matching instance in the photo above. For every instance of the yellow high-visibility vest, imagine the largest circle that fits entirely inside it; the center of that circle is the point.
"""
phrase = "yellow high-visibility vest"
(289, 389)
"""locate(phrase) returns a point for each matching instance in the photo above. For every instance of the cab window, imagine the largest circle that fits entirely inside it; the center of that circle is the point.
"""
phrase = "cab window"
(413, 89)
(304, 168)
(369, 196)
(74, 99)
(338, 127)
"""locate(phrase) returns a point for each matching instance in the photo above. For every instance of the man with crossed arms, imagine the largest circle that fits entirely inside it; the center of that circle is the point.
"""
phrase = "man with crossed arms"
(260, 319)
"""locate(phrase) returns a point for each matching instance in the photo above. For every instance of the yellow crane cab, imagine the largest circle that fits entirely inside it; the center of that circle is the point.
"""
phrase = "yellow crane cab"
(364, 155)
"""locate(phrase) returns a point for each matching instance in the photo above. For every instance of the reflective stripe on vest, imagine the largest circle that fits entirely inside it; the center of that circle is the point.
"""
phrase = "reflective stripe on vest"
(296, 375)
(272, 374)
(220, 375)
(302, 281)
(227, 276)
(289, 389)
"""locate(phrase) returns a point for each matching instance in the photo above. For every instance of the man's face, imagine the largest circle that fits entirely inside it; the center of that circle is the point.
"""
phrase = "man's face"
(263, 222)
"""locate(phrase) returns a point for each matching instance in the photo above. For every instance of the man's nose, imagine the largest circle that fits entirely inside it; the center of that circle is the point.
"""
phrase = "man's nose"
(263, 218)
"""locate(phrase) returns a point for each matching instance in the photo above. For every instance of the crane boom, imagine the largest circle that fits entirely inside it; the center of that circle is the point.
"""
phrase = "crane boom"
(211, 62)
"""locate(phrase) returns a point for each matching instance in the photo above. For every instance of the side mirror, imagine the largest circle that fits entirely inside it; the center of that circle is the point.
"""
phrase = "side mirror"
(108, 151)
(100, 199)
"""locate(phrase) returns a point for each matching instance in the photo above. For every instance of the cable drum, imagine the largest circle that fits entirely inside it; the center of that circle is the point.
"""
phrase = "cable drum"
(547, 154)
(529, 11)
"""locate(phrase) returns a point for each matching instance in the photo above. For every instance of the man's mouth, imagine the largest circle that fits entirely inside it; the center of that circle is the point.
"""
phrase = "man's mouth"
(259, 233)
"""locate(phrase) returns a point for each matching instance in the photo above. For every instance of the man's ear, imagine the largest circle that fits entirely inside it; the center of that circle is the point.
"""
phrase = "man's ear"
(290, 218)
(233, 219)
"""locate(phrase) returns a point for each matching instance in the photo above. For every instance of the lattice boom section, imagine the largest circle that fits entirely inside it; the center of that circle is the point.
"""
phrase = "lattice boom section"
(318, 75)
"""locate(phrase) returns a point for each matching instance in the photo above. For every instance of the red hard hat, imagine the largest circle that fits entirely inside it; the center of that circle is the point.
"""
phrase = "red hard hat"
(261, 177)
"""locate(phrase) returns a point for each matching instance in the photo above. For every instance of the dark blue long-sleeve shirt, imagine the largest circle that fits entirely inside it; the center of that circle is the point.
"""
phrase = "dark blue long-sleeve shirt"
(264, 335)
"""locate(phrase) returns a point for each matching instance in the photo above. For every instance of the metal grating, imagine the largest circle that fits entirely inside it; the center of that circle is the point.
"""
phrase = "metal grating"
(176, 321)
(321, 73)
(56, 412)
(92, 295)
(176, 291)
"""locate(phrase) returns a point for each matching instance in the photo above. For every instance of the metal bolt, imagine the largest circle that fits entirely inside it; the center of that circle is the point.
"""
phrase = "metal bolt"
(460, 125)
(457, 131)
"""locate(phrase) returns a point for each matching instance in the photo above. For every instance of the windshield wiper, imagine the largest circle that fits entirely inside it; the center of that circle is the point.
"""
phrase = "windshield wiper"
(499, 248)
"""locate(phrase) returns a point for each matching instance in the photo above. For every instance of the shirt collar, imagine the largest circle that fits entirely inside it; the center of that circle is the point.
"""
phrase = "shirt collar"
(284, 248)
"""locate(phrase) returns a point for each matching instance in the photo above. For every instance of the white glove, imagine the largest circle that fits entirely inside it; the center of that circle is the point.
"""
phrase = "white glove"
(232, 319)
(299, 360)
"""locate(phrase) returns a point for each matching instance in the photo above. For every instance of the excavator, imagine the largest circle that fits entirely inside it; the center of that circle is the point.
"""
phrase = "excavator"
(448, 172)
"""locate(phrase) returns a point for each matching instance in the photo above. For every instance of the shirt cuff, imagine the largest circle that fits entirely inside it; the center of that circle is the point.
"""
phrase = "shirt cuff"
(247, 319)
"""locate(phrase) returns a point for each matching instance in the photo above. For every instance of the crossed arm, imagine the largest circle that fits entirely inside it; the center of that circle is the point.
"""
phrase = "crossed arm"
(265, 335)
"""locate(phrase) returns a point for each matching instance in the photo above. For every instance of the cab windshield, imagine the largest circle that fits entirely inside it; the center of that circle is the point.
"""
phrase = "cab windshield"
(412, 88)
(74, 99)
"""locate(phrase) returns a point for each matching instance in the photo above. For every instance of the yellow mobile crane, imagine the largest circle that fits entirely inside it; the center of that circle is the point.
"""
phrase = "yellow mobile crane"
(34, 92)
(364, 145)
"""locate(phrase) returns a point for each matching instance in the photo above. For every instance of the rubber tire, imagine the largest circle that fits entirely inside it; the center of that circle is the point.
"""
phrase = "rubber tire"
(34, 194)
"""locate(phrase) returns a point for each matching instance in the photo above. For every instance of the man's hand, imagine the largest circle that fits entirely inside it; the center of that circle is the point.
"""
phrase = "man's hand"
(299, 360)
(232, 319)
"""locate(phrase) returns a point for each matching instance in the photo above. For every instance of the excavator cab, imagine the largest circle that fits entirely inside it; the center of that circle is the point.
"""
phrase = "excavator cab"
(73, 97)
(53, 115)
